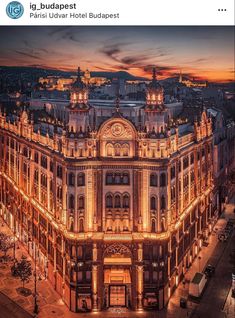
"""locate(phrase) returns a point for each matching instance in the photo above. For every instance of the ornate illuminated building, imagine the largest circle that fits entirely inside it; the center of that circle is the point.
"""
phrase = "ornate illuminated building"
(116, 209)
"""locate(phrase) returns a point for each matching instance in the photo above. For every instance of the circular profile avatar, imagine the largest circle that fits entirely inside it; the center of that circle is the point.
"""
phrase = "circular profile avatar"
(14, 10)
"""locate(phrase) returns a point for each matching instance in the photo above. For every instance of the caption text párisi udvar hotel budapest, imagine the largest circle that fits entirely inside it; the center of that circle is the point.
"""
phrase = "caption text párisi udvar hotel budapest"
(58, 11)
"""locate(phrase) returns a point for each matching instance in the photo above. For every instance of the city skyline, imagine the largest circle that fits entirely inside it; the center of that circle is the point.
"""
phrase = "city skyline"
(205, 53)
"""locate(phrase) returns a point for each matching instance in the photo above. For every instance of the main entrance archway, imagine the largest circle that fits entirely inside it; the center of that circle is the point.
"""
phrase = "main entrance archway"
(117, 275)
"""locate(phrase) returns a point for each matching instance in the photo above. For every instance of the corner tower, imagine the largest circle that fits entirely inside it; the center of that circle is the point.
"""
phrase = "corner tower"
(78, 107)
(155, 112)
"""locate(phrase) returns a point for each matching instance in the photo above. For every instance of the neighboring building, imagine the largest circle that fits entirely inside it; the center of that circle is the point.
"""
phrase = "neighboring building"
(223, 158)
(118, 208)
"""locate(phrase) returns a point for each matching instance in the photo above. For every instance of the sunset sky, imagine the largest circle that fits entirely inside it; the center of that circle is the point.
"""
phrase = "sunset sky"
(200, 52)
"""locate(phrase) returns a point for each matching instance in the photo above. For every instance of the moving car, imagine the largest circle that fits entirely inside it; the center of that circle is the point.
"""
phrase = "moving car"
(209, 270)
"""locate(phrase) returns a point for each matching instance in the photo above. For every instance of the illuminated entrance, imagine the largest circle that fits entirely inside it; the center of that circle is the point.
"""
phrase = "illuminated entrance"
(117, 278)
(117, 295)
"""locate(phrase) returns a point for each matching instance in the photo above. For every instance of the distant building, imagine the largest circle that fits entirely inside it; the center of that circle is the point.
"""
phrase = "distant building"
(191, 83)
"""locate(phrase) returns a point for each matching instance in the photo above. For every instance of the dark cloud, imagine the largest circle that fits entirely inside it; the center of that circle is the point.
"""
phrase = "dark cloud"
(28, 54)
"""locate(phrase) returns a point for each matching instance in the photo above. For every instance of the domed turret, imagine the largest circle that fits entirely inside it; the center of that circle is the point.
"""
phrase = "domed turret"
(78, 107)
(154, 95)
(155, 111)
(79, 94)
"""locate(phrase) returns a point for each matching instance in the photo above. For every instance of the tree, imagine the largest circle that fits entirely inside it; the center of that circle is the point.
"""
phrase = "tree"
(5, 243)
(23, 269)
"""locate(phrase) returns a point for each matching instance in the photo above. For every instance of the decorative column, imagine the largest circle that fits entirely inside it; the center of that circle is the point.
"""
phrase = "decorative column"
(94, 287)
(140, 273)
(95, 278)
(144, 200)
(89, 200)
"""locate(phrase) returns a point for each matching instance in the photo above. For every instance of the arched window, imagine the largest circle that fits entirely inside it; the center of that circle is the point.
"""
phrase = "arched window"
(153, 180)
(163, 203)
(172, 172)
(81, 179)
(71, 179)
(125, 179)
(162, 180)
(71, 201)
(117, 150)
(109, 178)
(80, 252)
(153, 203)
(117, 178)
(109, 201)
(126, 200)
(117, 201)
(125, 150)
(25, 152)
(81, 225)
(81, 202)
(109, 150)
(153, 226)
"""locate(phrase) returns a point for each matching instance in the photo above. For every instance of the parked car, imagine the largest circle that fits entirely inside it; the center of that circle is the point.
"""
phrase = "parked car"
(209, 270)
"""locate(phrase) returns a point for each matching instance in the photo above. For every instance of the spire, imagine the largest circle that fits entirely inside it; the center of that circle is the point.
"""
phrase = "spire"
(154, 74)
(180, 77)
(118, 98)
(78, 84)
(79, 74)
(117, 104)
(154, 83)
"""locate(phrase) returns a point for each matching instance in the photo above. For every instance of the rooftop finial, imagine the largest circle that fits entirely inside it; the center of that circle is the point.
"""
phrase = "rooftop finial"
(118, 97)
(79, 74)
(117, 104)
(154, 74)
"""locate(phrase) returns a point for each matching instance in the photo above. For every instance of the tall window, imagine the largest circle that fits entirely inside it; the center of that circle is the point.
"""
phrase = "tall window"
(71, 179)
(110, 150)
(59, 171)
(125, 178)
(117, 150)
(162, 180)
(125, 150)
(153, 180)
(126, 201)
(109, 201)
(71, 201)
(153, 203)
(117, 178)
(153, 226)
(117, 201)
(44, 162)
(163, 203)
(81, 202)
(81, 179)
(109, 178)
(172, 172)
(81, 225)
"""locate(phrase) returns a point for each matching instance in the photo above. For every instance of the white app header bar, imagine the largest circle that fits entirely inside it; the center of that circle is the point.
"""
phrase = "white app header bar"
(111, 12)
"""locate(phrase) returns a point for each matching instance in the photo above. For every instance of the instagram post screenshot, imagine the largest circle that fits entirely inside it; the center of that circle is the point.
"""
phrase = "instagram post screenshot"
(117, 159)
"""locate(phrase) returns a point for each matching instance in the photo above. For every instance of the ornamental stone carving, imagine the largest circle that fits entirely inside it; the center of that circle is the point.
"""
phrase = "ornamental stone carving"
(117, 130)
(117, 249)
